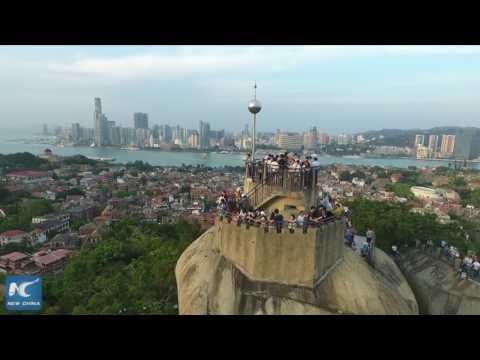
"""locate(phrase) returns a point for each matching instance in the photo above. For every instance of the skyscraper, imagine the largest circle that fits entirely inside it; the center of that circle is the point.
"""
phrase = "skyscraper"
(194, 140)
(433, 142)
(467, 144)
(140, 120)
(310, 139)
(448, 144)
(165, 134)
(76, 132)
(45, 129)
(98, 123)
(204, 135)
(419, 140)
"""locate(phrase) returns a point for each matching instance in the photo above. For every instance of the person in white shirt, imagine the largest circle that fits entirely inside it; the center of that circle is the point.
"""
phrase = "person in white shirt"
(300, 219)
(476, 267)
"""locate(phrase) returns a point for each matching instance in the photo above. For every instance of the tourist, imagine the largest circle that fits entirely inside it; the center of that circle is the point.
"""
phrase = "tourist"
(370, 235)
(365, 249)
(306, 223)
(278, 218)
(476, 268)
(349, 237)
(300, 219)
(292, 224)
(395, 251)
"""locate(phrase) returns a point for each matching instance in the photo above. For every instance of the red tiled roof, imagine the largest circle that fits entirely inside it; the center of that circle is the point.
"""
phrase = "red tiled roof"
(53, 257)
(14, 256)
(13, 233)
(28, 173)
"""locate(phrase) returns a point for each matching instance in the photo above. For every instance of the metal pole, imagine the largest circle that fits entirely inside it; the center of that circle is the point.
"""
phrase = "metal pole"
(254, 136)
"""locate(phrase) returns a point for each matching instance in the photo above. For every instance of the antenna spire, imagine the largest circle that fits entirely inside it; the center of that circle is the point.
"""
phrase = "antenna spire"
(255, 89)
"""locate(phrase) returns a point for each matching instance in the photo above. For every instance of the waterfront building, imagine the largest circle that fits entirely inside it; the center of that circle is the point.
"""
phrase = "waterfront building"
(204, 135)
(422, 152)
(45, 129)
(467, 144)
(165, 134)
(194, 140)
(310, 138)
(290, 141)
(98, 122)
(419, 140)
(76, 132)
(140, 120)
(448, 144)
(433, 144)
(323, 138)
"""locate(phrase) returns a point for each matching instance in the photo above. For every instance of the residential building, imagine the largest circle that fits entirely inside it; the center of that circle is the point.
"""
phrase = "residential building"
(13, 236)
(204, 134)
(140, 120)
(448, 144)
(419, 140)
(28, 176)
(290, 141)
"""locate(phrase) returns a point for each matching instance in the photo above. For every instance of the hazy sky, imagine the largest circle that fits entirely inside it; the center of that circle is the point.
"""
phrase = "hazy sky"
(336, 88)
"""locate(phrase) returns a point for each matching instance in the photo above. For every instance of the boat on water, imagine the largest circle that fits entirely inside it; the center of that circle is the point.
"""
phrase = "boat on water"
(106, 159)
(204, 155)
(93, 145)
(130, 148)
(223, 152)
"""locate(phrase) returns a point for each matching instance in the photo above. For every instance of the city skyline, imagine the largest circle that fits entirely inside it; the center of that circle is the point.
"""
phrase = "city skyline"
(335, 88)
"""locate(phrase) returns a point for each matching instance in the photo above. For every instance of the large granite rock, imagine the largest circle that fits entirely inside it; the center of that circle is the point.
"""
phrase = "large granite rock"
(209, 283)
(437, 287)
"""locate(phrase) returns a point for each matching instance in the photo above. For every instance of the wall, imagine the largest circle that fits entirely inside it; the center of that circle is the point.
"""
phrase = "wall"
(292, 259)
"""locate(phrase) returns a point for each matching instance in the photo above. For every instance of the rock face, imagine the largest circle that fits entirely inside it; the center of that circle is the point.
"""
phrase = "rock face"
(437, 288)
(209, 283)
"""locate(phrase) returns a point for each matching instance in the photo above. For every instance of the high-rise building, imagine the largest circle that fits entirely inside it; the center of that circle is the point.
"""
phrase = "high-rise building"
(448, 144)
(344, 139)
(290, 141)
(204, 135)
(419, 140)
(323, 139)
(100, 125)
(165, 134)
(140, 120)
(310, 138)
(467, 144)
(45, 129)
(76, 132)
(422, 152)
(433, 144)
(194, 140)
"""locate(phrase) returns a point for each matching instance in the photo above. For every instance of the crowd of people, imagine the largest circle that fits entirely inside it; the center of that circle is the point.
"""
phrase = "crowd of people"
(272, 167)
(235, 208)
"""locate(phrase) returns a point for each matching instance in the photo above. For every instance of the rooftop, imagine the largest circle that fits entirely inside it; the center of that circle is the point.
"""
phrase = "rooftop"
(14, 256)
(12, 233)
(28, 173)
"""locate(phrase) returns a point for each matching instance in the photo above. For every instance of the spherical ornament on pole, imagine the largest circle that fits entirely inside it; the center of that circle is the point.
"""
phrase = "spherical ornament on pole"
(254, 106)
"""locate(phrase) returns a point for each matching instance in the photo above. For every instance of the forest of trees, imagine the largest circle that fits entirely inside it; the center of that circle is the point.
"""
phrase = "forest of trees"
(130, 272)
(394, 224)
(22, 161)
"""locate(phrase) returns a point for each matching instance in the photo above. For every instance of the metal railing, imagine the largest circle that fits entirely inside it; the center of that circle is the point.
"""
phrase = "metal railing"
(269, 179)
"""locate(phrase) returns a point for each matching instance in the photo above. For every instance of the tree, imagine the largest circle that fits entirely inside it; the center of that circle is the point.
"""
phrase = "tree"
(130, 272)
(345, 176)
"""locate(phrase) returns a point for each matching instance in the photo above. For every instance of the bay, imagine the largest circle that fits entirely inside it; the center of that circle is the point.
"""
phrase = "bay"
(211, 159)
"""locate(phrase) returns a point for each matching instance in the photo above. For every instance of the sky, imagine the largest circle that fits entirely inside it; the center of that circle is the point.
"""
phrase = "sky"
(338, 89)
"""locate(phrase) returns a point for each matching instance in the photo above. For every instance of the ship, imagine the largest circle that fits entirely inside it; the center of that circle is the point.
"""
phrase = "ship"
(130, 148)
(106, 159)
